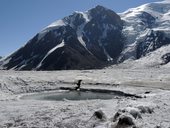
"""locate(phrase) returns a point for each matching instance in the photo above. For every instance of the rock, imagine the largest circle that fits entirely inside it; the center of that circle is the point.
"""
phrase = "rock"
(135, 112)
(99, 115)
(158, 127)
(125, 120)
(116, 116)
(97, 119)
(145, 109)
(147, 92)
(166, 58)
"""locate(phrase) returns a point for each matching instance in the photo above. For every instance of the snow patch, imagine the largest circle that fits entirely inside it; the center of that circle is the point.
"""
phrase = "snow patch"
(80, 30)
(57, 23)
(51, 51)
(85, 16)
(109, 58)
(52, 26)
(58, 46)
(4, 61)
(80, 35)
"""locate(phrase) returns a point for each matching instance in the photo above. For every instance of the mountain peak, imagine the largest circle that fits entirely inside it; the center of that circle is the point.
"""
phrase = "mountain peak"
(99, 7)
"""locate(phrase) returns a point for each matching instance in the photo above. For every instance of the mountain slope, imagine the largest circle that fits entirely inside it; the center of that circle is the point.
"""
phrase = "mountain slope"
(80, 41)
(157, 58)
(146, 29)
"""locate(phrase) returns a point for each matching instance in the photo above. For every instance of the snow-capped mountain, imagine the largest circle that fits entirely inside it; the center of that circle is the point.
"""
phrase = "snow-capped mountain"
(96, 38)
(79, 41)
(146, 29)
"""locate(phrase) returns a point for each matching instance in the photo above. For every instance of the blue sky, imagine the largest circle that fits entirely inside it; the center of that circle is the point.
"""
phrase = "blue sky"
(20, 20)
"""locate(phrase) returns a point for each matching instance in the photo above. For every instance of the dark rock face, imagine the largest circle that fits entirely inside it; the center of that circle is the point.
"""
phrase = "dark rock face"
(104, 33)
(166, 58)
(153, 41)
(71, 56)
(79, 44)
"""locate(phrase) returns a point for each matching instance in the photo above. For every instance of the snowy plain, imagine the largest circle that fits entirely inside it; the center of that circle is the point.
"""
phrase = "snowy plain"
(152, 84)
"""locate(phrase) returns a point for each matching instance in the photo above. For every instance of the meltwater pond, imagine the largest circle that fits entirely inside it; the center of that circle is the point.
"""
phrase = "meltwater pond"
(69, 95)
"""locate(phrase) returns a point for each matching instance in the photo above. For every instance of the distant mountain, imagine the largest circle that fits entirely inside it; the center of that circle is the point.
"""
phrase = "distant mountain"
(146, 29)
(97, 38)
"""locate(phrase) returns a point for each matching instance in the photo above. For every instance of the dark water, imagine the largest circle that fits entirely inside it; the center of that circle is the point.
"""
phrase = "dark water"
(68, 95)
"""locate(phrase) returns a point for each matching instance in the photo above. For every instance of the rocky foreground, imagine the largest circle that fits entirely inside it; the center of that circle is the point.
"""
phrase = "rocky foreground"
(150, 111)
